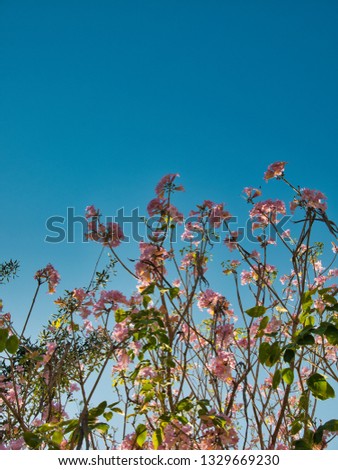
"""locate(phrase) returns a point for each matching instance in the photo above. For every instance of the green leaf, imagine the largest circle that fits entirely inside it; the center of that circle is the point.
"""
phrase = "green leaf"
(12, 344)
(103, 428)
(331, 426)
(162, 336)
(319, 387)
(287, 375)
(303, 401)
(115, 409)
(276, 379)
(71, 424)
(307, 300)
(263, 323)
(184, 405)
(309, 321)
(149, 289)
(331, 334)
(302, 444)
(3, 334)
(257, 311)
(289, 355)
(157, 438)
(98, 410)
(274, 355)
(305, 340)
(173, 292)
(264, 352)
(57, 437)
(108, 415)
(330, 299)
(146, 300)
(32, 440)
(3, 338)
(295, 428)
(182, 419)
(141, 434)
(120, 315)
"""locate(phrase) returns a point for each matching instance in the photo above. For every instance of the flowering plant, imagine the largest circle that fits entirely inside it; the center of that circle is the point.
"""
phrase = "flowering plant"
(191, 367)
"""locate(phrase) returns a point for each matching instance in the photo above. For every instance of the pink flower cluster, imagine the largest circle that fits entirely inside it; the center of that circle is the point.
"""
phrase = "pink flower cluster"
(222, 365)
(151, 262)
(217, 437)
(109, 300)
(177, 436)
(311, 199)
(166, 184)
(85, 302)
(251, 193)
(274, 170)
(266, 212)
(121, 331)
(214, 302)
(231, 240)
(162, 207)
(110, 234)
(50, 275)
(211, 212)
(258, 273)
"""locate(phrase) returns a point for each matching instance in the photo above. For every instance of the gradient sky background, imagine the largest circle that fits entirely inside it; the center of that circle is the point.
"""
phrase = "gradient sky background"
(98, 100)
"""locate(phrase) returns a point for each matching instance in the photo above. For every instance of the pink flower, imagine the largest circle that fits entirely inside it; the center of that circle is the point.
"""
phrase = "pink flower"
(109, 300)
(167, 184)
(147, 371)
(274, 170)
(310, 199)
(286, 235)
(333, 272)
(136, 347)
(231, 240)
(217, 215)
(265, 212)
(176, 216)
(319, 305)
(156, 206)
(224, 336)
(121, 331)
(247, 277)
(217, 438)
(17, 444)
(50, 275)
(49, 353)
(151, 262)
(79, 295)
(273, 326)
(110, 234)
(73, 387)
(91, 212)
(128, 442)
(214, 302)
(222, 365)
(314, 199)
(123, 361)
(251, 192)
(320, 280)
(177, 436)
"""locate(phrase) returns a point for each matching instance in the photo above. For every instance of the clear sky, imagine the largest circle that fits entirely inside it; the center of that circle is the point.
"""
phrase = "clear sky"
(98, 100)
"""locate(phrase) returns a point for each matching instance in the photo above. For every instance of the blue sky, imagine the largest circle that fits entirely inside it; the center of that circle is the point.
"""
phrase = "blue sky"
(98, 100)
